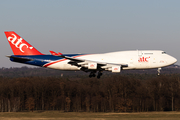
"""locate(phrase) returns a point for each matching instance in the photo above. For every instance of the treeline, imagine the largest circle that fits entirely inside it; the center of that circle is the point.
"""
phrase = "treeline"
(38, 71)
(115, 93)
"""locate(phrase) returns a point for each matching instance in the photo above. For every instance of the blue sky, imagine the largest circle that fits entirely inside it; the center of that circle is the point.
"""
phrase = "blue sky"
(91, 26)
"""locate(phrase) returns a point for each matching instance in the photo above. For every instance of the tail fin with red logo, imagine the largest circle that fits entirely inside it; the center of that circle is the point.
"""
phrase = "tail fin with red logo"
(19, 45)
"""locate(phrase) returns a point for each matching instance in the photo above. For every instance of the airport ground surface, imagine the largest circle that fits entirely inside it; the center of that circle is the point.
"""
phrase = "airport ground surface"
(56, 115)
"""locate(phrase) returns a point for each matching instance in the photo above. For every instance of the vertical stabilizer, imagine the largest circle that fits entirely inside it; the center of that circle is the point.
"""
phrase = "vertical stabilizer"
(19, 46)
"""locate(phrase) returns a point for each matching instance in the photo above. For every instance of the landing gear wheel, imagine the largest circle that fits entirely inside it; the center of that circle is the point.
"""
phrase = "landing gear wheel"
(92, 74)
(99, 75)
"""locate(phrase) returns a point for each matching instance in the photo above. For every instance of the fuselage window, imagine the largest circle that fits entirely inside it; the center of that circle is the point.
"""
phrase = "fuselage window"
(163, 52)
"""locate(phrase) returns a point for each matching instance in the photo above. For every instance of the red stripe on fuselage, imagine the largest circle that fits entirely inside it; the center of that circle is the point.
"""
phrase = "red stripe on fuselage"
(48, 64)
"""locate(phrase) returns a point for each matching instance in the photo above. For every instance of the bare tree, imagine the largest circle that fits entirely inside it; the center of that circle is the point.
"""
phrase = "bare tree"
(30, 104)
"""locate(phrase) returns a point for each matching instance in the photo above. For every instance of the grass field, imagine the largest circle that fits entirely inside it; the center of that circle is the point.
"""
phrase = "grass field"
(56, 115)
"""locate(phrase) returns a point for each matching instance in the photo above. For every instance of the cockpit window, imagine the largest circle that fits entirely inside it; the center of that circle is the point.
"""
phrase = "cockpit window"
(163, 52)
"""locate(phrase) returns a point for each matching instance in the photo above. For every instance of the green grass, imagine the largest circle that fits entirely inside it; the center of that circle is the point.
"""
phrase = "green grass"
(56, 115)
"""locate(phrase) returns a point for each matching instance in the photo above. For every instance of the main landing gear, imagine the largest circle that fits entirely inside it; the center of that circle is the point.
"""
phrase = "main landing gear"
(99, 74)
(92, 74)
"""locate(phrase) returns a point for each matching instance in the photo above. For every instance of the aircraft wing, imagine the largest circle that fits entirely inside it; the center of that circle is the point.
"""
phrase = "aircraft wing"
(94, 65)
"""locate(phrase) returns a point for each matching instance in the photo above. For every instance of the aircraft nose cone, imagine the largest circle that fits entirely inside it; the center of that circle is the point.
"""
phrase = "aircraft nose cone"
(173, 60)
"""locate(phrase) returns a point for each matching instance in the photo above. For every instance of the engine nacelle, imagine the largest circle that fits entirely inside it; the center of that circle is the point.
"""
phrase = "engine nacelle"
(92, 66)
(115, 69)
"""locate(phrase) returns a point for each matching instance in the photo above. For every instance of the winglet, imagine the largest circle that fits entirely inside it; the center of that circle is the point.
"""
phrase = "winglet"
(55, 54)
(19, 46)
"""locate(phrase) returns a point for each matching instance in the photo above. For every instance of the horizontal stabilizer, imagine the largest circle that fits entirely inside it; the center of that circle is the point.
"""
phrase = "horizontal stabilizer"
(20, 58)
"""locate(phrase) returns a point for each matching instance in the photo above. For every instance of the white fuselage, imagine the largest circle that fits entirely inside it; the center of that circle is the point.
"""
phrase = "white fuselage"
(138, 59)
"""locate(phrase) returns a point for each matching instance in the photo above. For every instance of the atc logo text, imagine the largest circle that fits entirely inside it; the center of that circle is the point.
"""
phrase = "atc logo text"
(143, 59)
(18, 42)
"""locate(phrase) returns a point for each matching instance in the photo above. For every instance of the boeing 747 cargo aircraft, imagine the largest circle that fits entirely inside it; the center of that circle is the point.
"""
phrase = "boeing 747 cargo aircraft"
(93, 63)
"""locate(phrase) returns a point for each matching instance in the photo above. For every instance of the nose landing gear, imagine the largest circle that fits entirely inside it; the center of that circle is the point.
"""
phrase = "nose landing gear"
(159, 70)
